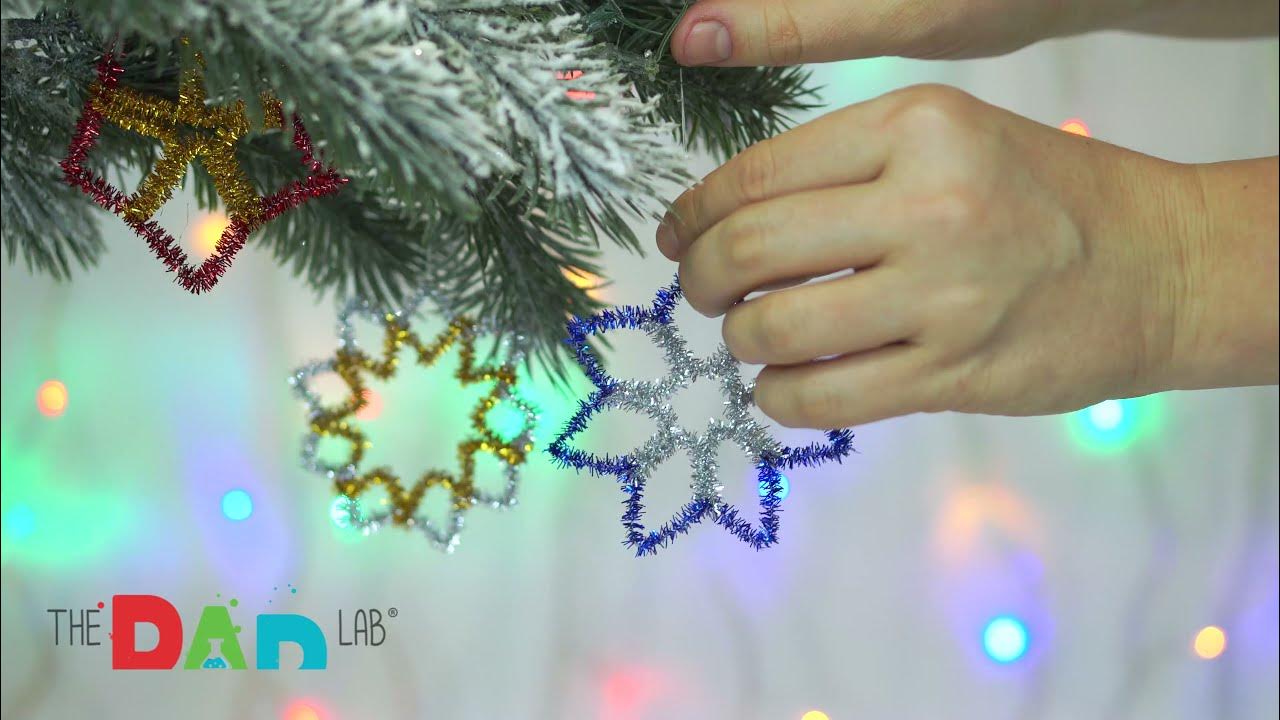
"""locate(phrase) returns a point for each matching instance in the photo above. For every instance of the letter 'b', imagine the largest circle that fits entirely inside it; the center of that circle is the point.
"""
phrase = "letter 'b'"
(129, 610)
(276, 629)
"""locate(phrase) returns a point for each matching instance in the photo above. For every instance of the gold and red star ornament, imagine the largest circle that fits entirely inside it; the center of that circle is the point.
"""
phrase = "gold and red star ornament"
(188, 128)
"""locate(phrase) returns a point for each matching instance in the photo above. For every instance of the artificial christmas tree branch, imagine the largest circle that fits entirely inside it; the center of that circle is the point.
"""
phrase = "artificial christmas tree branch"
(472, 165)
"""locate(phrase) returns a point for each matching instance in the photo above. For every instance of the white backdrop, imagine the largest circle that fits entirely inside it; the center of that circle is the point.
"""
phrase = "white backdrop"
(872, 605)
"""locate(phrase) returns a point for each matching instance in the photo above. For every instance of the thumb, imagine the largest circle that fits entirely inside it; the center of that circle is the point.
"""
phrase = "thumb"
(732, 33)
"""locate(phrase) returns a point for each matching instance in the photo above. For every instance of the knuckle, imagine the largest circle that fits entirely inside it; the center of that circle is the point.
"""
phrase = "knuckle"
(783, 42)
(777, 328)
(744, 245)
(929, 110)
(755, 170)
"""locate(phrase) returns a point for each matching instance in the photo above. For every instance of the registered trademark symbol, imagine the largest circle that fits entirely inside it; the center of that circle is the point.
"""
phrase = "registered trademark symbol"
(393, 612)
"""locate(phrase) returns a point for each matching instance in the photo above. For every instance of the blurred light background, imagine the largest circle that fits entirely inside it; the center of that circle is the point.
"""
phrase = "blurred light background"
(1119, 562)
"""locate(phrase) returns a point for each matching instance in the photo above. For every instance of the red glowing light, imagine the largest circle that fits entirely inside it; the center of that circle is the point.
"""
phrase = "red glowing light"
(628, 693)
(304, 710)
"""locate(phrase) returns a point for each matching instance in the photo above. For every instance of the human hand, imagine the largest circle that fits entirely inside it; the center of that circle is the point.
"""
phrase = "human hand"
(791, 32)
(1001, 266)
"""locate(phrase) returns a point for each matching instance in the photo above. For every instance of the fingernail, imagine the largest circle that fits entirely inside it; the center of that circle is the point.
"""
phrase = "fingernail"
(668, 244)
(708, 42)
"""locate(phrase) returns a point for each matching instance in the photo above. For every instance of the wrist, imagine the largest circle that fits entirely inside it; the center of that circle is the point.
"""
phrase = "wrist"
(1226, 314)
(1166, 227)
(1181, 232)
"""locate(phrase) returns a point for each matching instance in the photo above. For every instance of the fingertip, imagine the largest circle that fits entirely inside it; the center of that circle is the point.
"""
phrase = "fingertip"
(762, 393)
(667, 240)
(701, 40)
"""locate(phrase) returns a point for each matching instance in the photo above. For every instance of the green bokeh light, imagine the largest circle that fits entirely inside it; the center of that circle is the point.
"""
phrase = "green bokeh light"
(50, 523)
(1115, 425)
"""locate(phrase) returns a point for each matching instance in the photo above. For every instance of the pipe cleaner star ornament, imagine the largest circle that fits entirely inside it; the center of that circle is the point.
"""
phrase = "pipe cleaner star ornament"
(188, 128)
(653, 398)
(401, 505)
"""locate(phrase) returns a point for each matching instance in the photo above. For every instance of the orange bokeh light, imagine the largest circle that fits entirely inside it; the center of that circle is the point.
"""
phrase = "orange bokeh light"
(51, 398)
(574, 94)
(583, 280)
(207, 230)
(1210, 642)
(372, 406)
(1075, 126)
(970, 510)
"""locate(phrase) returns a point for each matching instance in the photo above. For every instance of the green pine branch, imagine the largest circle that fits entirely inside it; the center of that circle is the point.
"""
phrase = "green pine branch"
(501, 247)
(721, 110)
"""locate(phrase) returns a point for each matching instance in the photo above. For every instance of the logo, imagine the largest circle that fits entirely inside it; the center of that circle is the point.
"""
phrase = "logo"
(216, 641)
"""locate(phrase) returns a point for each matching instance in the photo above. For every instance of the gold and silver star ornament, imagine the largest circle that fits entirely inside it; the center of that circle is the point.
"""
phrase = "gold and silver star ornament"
(400, 502)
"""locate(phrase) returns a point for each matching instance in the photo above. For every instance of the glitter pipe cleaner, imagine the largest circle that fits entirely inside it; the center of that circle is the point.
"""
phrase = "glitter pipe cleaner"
(402, 504)
(653, 398)
(187, 129)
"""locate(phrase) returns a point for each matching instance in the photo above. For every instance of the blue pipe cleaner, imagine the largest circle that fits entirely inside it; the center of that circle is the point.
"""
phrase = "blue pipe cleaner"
(630, 469)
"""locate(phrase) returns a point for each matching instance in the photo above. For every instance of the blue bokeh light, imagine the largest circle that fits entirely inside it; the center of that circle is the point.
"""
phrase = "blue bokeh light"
(763, 488)
(1107, 415)
(20, 522)
(1005, 639)
(237, 505)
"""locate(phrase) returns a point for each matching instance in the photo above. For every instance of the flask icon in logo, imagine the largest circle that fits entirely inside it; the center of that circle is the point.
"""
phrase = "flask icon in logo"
(215, 660)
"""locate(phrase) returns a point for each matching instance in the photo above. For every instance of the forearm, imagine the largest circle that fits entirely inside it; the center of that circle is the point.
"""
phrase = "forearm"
(1197, 18)
(1227, 317)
